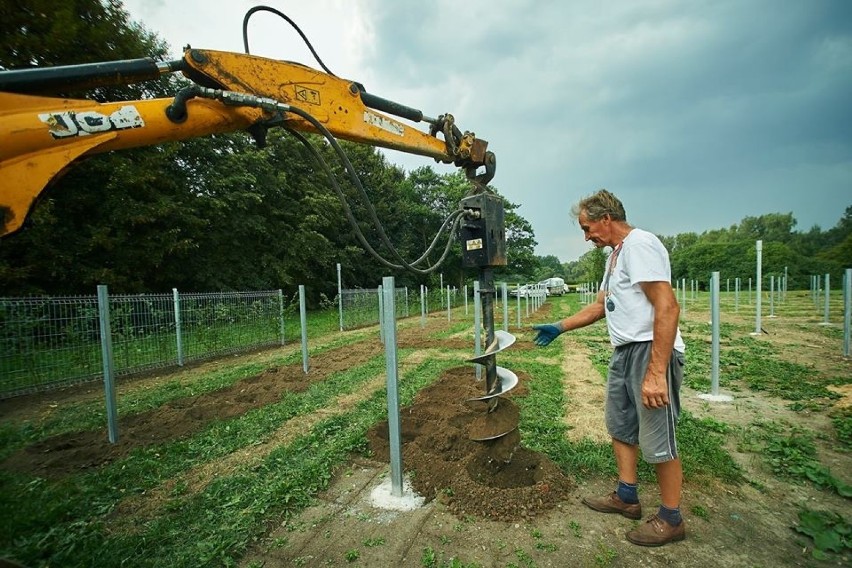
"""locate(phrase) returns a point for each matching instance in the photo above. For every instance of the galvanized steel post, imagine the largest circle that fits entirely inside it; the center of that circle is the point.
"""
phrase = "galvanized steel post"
(304, 322)
(759, 287)
(108, 363)
(340, 296)
(391, 365)
(178, 336)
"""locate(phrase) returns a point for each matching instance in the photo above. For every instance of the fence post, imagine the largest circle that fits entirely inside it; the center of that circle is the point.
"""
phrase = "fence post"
(449, 305)
(759, 287)
(737, 294)
(389, 325)
(505, 307)
(518, 309)
(771, 295)
(281, 314)
(714, 352)
(304, 321)
(827, 294)
(178, 336)
(108, 363)
(422, 307)
(340, 296)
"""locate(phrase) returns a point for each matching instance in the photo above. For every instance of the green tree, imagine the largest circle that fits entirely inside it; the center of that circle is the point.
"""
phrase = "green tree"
(548, 267)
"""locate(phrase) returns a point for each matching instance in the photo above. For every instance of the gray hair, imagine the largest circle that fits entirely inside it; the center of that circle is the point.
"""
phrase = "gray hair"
(599, 204)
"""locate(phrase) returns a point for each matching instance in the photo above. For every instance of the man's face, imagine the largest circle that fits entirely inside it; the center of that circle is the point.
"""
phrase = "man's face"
(599, 232)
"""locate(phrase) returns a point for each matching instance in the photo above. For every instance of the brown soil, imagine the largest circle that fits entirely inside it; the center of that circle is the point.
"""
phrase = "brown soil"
(75, 451)
(497, 479)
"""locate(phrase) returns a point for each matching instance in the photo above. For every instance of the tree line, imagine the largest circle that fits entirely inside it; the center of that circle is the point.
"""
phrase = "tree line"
(220, 213)
(733, 252)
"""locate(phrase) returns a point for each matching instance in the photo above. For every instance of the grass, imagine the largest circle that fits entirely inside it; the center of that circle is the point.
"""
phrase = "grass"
(70, 521)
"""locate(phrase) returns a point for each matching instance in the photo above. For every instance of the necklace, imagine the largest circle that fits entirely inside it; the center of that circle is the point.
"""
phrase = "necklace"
(610, 305)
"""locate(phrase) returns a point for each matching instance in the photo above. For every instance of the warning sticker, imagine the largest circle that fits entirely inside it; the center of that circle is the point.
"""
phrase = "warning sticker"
(306, 95)
(474, 244)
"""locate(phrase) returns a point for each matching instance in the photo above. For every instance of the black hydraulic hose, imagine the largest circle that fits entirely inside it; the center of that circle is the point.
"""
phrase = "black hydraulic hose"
(289, 21)
(354, 176)
(176, 112)
(454, 217)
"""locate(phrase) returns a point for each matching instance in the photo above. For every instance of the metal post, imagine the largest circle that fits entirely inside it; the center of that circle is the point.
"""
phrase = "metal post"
(392, 367)
(449, 305)
(758, 288)
(518, 309)
(827, 294)
(772, 296)
(178, 336)
(465, 299)
(340, 296)
(737, 294)
(422, 308)
(381, 314)
(303, 318)
(281, 315)
(505, 307)
(108, 363)
(714, 352)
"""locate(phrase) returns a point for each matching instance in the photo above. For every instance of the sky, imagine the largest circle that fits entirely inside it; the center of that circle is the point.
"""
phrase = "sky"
(696, 114)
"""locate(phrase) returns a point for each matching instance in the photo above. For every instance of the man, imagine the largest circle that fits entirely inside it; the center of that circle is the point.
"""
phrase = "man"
(646, 368)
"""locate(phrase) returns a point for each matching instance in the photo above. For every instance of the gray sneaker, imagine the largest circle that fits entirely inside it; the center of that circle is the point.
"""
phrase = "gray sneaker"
(613, 504)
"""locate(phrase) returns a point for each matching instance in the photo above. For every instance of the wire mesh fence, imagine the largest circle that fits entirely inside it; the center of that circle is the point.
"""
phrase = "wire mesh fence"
(51, 342)
(361, 306)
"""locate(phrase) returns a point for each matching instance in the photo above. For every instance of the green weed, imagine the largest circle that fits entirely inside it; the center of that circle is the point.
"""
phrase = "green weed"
(831, 533)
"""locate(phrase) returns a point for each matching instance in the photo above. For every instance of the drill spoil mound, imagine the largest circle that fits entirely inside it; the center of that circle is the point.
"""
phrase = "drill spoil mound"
(470, 478)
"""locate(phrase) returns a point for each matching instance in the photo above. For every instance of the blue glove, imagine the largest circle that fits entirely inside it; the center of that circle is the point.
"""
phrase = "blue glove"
(546, 333)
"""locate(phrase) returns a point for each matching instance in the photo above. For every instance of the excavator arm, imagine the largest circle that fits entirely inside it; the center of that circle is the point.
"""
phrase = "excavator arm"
(43, 134)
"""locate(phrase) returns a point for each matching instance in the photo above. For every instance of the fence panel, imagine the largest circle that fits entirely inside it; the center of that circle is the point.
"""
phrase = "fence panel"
(54, 342)
(361, 306)
(47, 342)
(220, 324)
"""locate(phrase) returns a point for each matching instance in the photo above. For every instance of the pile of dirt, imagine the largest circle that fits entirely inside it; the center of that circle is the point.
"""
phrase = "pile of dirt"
(496, 480)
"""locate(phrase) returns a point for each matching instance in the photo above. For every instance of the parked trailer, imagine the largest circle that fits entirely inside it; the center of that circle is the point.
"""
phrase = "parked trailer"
(555, 286)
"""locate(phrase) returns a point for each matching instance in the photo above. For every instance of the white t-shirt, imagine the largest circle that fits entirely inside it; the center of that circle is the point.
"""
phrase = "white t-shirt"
(642, 258)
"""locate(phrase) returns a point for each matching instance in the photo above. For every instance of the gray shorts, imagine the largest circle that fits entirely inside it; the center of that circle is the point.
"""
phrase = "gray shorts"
(627, 420)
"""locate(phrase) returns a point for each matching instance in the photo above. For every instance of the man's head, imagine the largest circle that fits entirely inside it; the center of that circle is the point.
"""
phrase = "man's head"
(602, 218)
(599, 204)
